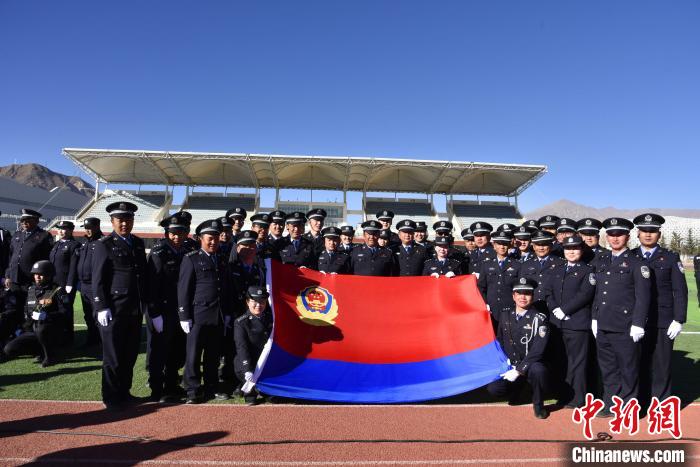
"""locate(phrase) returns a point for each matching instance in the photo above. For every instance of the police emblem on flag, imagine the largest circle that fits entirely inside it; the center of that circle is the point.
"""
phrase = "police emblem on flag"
(317, 306)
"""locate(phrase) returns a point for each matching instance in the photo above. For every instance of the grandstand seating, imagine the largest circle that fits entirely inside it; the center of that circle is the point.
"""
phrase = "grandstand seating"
(416, 209)
(335, 211)
(152, 206)
(495, 213)
(205, 206)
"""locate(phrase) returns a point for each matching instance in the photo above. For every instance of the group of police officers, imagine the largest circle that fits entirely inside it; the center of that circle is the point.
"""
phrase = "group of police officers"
(564, 309)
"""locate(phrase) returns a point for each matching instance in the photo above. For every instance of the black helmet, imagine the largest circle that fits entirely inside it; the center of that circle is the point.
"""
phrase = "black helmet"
(43, 267)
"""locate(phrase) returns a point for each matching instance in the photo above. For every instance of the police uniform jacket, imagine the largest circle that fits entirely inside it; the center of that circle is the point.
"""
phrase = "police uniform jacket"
(434, 265)
(477, 256)
(462, 257)
(250, 334)
(623, 292)
(319, 244)
(573, 292)
(84, 268)
(347, 249)
(64, 257)
(204, 288)
(119, 279)
(55, 305)
(520, 256)
(26, 248)
(338, 262)
(535, 269)
(669, 290)
(243, 276)
(496, 283)
(305, 255)
(591, 255)
(409, 263)
(364, 262)
(163, 275)
(523, 339)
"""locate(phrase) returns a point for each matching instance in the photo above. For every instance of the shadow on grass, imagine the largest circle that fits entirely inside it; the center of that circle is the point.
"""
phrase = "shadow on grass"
(42, 375)
(685, 377)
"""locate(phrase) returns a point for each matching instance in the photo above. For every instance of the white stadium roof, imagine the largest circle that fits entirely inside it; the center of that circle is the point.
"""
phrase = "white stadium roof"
(364, 174)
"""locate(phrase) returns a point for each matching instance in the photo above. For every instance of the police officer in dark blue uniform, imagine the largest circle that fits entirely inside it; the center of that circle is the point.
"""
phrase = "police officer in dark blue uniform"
(316, 217)
(668, 308)
(409, 257)
(261, 225)
(548, 223)
(444, 229)
(469, 242)
(420, 236)
(237, 216)
(619, 313)
(523, 247)
(119, 287)
(370, 259)
(497, 276)
(440, 264)
(204, 308)
(84, 268)
(227, 242)
(45, 311)
(252, 330)
(531, 225)
(569, 289)
(64, 257)
(482, 239)
(385, 219)
(347, 235)
(29, 245)
(589, 230)
(565, 228)
(332, 261)
(276, 231)
(166, 353)
(536, 267)
(523, 332)
(298, 249)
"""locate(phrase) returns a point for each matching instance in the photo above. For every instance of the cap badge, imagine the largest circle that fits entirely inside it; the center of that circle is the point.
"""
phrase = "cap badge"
(523, 280)
(613, 222)
(647, 218)
(588, 222)
(122, 206)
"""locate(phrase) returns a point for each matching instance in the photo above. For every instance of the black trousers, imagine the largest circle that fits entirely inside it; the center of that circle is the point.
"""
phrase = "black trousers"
(93, 333)
(228, 352)
(569, 351)
(121, 339)
(655, 377)
(68, 324)
(619, 361)
(538, 378)
(167, 354)
(41, 341)
(202, 358)
(15, 299)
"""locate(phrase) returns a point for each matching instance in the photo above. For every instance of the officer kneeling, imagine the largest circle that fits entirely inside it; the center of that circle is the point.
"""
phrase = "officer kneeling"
(251, 331)
(47, 305)
(523, 333)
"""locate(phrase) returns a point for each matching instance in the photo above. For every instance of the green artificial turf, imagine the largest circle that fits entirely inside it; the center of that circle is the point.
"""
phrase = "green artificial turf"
(78, 375)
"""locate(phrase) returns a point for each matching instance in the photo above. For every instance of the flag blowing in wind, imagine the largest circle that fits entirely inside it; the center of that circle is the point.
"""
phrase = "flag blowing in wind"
(376, 339)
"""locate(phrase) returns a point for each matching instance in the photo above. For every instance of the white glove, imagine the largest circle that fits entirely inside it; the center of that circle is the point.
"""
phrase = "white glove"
(558, 314)
(674, 329)
(323, 272)
(69, 288)
(334, 273)
(435, 275)
(186, 326)
(510, 375)
(450, 274)
(248, 376)
(488, 307)
(35, 315)
(158, 324)
(476, 274)
(302, 267)
(594, 327)
(636, 333)
(104, 317)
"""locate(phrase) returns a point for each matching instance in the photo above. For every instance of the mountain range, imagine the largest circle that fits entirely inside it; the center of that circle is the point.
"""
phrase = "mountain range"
(38, 176)
(572, 210)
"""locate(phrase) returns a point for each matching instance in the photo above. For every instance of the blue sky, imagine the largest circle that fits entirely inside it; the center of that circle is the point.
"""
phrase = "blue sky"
(604, 93)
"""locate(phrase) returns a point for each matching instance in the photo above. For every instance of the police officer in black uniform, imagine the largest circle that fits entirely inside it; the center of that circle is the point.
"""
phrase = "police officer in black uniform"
(565, 228)
(119, 287)
(385, 219)
(482, 239)
(440, 264)
(251, 331)
(548, 223)
(619, 313)
(523, 248)
(226, 238)
(569, 289)
(668, 308)
(444, 229)
(536, 267)
(64, 257)
(276, 231)
(298, 249)
(469, 241)
(29, 245)
(261, 226)
(347, 235)
(385, 240)
(420, 236)
(237, 216)
(370, 259)
(204, 308)
(332, 261)
(523, 332)
(497, 276)
(45, 311)
(589, 230)
(316, 217)
(167, 342)
(84, 269)
(409, 257)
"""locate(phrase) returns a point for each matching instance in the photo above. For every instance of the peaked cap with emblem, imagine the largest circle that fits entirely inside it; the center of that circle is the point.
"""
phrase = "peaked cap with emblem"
(467, 234)
(246, 237)
(406, 225)
(442, 241)
(278, 216)
(65, 225)
(502, 236)
(523, 233)
(525, 284)
(506, 227)
(385, 234)
(347, 230)
(589, 225)
(443, 226)
(330, 231)
(385, 215)
(572, 242)
(542, 237)
(29, 213)
(617, 224)
(91, 222)
(225, 223)
(481, 228)
(371, 226)
(261, 219)
(295, 217)
(547, 222)
(175, 222)
(122, 208)
(531, 225)
(211, 226)
(317, 213)
(237, 213)
(566, 225)
(257, 293)
(421, 226)
(649, 221)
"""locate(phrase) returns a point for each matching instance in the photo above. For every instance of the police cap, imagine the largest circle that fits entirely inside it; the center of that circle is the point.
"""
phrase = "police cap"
(385, 215)
(122, 209)
(347, 230)
(316, 213)
(481, 228)
(406, 225)
(421, 226)
(237, 213)
(43, 267)
(175, 223)
(295, 217)
(262, 220)
(588, 225)
(385, 234)
(247, 236)
(617, 225)
(225, 223)
(65, 225)
(547, 222)
(542, 237)
(523, 233)
(574, 242)
(332, 232)
(467, 234)
(443, 226)
(649, 221)
(256, 292)
(211, 226)
(278, 216)
(442, 241)
(531, 225)
(371, 226)
(29, 213)
(91, 222)
(525, 285)
(566, 225)
(502, 236)
(506, 227)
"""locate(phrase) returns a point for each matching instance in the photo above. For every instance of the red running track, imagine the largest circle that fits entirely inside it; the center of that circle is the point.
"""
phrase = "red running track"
(85, 434)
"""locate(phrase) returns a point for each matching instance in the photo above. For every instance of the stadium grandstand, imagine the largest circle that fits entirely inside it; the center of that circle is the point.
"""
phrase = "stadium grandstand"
(275, 173)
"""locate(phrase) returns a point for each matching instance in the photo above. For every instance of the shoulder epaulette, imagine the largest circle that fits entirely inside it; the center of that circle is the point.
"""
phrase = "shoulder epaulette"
(541, 316)
(240, 319)
(192, 253)
(105, 239)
